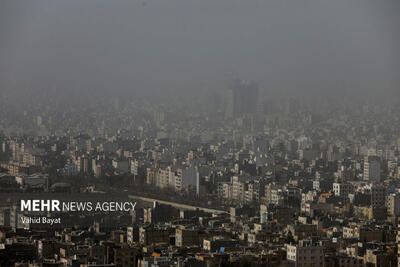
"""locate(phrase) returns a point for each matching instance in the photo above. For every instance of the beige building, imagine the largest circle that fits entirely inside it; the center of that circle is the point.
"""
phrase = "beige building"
(393, 204)
(305, 254)
(188, 238)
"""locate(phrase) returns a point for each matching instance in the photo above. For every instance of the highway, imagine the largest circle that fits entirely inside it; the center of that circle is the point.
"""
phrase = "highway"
(176, 205)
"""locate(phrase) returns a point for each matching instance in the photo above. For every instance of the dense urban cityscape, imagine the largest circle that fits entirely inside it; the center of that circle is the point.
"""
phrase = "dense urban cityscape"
(243, 181)
(199, 133)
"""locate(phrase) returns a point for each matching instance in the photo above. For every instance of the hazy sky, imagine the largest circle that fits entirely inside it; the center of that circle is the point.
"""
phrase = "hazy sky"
(156, 45)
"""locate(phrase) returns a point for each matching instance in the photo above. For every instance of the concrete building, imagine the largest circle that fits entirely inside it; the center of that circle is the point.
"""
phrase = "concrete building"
(378, 195)
(342, 189)
(305, 254)
(188, 238)
(241, 99)
(149, 235)
(398, 242)
(393, 204)
(372, 169)
(187, 178)
(126, 257)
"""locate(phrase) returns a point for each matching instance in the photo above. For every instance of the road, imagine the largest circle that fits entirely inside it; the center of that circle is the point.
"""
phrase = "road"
(176, 205)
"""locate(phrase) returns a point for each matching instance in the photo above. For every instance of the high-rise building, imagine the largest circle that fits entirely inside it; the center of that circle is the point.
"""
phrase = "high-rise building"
(393, 204)
(242, 99)
(372, 169)
(378, 195)
(39, 120)
(398, 242)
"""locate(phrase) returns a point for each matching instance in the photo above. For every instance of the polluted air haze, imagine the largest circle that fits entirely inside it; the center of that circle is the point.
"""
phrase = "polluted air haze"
(155, 47)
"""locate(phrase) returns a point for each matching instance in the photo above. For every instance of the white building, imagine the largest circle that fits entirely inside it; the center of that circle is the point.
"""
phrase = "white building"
(305, 254)
(134, 167)
(342, 189)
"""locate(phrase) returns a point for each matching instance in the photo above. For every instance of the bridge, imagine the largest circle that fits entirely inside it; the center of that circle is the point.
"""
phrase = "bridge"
(177, 205)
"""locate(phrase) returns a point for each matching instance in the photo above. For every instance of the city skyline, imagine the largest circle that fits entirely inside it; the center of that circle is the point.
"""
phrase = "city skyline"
(199, 133)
